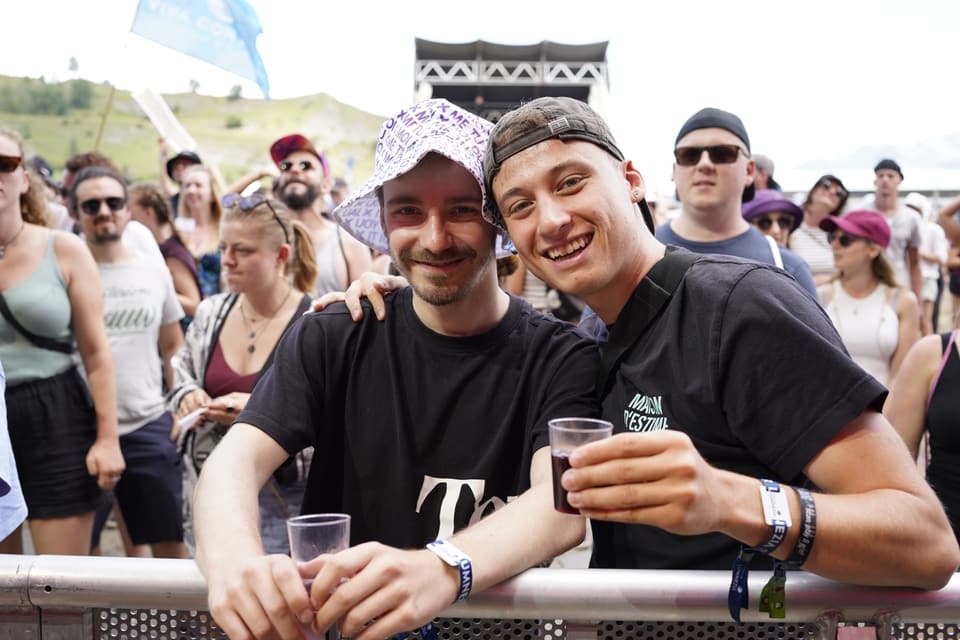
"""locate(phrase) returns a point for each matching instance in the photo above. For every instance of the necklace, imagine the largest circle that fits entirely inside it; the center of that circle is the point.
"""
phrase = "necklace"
(3, 247)
(253, 333)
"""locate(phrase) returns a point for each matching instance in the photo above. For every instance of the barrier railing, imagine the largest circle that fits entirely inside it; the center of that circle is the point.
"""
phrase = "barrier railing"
(61, 597)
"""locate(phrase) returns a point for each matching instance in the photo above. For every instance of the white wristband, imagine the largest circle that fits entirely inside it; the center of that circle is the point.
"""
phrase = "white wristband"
(455, 558)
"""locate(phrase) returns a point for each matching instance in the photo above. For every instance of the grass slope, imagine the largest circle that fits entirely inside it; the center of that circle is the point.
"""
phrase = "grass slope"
(341, 131)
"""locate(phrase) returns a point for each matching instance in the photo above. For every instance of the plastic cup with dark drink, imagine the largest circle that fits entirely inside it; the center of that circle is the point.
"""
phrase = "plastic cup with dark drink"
(566, 434)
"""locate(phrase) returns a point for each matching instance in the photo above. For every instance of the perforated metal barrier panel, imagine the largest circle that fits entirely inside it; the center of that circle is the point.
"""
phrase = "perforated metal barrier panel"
(133, 624)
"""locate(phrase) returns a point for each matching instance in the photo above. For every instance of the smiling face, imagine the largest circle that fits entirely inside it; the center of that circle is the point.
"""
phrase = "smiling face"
(438, 238)
(197, 191)
(570, 208)
(104, 225)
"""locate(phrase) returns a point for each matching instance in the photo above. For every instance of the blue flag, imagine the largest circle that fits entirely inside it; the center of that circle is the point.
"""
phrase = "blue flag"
(221, 32)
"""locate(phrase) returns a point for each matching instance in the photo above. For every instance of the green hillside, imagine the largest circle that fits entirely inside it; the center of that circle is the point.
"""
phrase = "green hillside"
(59, 119)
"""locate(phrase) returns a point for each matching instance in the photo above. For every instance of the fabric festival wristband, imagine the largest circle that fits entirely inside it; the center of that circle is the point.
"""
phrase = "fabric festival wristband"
(808, 528)
(776, 513)
(455, 558)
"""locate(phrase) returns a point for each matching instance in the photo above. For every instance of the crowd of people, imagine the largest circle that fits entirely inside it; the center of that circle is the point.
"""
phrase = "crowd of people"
(165, 366)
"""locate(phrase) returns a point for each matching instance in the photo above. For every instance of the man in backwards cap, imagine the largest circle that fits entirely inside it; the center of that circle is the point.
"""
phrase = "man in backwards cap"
(714, 173)
(719, 372)
(429, 426)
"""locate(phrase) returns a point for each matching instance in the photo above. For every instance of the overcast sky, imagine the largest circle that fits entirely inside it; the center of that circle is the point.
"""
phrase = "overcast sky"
(812, 79)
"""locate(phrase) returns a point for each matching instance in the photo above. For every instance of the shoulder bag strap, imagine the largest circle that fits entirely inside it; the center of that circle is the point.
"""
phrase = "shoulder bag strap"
(943, 364)
(43, 342)
(775, 252)
(669, 272)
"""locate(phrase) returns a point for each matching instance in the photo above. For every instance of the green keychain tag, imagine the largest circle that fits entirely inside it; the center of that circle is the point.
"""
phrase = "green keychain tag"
(778, 593)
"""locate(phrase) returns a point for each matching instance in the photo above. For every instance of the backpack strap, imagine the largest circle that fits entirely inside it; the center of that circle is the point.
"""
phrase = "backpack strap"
(943, 364)
(50, 344)
(655, 291)
(775, 251)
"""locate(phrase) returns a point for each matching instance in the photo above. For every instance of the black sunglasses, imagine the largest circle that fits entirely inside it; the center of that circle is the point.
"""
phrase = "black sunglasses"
(9, 164)
(719, 154)
(784, 222)
(252, 202)
(843, 238)
(91, 207)
(834, 186)
(305, 165)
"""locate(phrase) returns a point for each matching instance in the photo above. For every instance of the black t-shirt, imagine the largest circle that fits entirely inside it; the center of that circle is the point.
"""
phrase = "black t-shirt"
(417, 434)
(743, 361)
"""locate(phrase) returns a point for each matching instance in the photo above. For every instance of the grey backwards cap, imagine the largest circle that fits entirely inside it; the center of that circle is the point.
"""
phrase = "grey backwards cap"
(565, 119)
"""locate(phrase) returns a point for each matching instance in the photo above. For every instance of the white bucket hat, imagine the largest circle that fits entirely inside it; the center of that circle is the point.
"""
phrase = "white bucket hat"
(431, 126)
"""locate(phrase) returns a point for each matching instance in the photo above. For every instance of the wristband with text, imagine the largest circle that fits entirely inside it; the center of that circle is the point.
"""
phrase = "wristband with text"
(776, 513)
(455, 558)
(808, 528)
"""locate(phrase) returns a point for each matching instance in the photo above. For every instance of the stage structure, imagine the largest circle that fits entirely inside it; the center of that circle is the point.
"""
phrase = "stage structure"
(490, 79)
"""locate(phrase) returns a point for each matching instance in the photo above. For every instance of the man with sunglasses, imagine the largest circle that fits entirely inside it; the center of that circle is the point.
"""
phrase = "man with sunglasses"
(142, 317)
(303, 185)
(714, 174)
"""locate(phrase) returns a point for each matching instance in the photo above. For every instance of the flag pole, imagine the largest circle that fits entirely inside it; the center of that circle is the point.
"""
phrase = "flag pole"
(103, 118)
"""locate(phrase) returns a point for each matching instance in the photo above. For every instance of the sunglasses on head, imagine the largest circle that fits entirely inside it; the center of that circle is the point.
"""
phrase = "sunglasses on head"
(784, 222)
(719, 154)
(842, 237)
(830, 185)
(252, 202)
(91, 207)
(9, 164)
(304, 165)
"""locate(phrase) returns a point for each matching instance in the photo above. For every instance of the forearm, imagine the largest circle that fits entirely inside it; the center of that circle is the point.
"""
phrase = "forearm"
(103, 388)
(523, 534)
(225, 516)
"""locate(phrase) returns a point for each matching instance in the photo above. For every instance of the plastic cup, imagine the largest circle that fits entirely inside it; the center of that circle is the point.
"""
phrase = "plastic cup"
(313, 535)
(566, 434)
(318, 533)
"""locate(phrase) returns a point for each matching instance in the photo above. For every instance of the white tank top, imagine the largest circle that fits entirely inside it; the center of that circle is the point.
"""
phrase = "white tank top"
(869, 328)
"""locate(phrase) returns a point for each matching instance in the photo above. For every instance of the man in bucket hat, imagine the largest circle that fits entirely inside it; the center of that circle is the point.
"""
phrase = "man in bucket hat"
(428, 426)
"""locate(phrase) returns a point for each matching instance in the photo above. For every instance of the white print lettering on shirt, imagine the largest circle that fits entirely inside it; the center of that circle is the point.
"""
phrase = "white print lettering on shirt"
(645, 413)
(452, 489)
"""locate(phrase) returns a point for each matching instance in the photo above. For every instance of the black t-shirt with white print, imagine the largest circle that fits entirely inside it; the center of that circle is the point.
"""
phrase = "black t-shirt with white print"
(743, 361)
(416, 434)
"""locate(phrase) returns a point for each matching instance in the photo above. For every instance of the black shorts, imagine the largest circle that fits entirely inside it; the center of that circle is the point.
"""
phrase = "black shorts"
(52, 426)
(150, 491)
(955, 281)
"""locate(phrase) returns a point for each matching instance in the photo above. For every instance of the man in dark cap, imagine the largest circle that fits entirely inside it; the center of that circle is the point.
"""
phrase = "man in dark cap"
(718, 372)
(714, 174)
(904, 249)
(171, 171)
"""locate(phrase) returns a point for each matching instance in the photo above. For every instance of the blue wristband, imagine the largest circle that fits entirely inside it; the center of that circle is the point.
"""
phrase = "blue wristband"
(455, 558)
(808, 528)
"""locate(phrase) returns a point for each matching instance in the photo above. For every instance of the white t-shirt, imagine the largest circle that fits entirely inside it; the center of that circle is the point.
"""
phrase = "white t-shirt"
(138, 299)
(933, 241)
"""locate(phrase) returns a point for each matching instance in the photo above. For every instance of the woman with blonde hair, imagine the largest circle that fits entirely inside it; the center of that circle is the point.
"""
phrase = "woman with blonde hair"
(270, 267)
(877, 318)
(198, 221)
(65, 443)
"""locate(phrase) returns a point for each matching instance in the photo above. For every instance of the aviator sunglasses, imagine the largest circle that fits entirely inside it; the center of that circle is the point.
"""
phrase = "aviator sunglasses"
(304, 165)
(91, 207)
(252, 202)
(9, 164)
(719, 154)
(844, 239)
(784, 222)
(831, 185)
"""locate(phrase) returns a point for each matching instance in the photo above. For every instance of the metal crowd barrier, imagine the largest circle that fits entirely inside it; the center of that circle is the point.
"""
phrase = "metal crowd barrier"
(84, 598)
